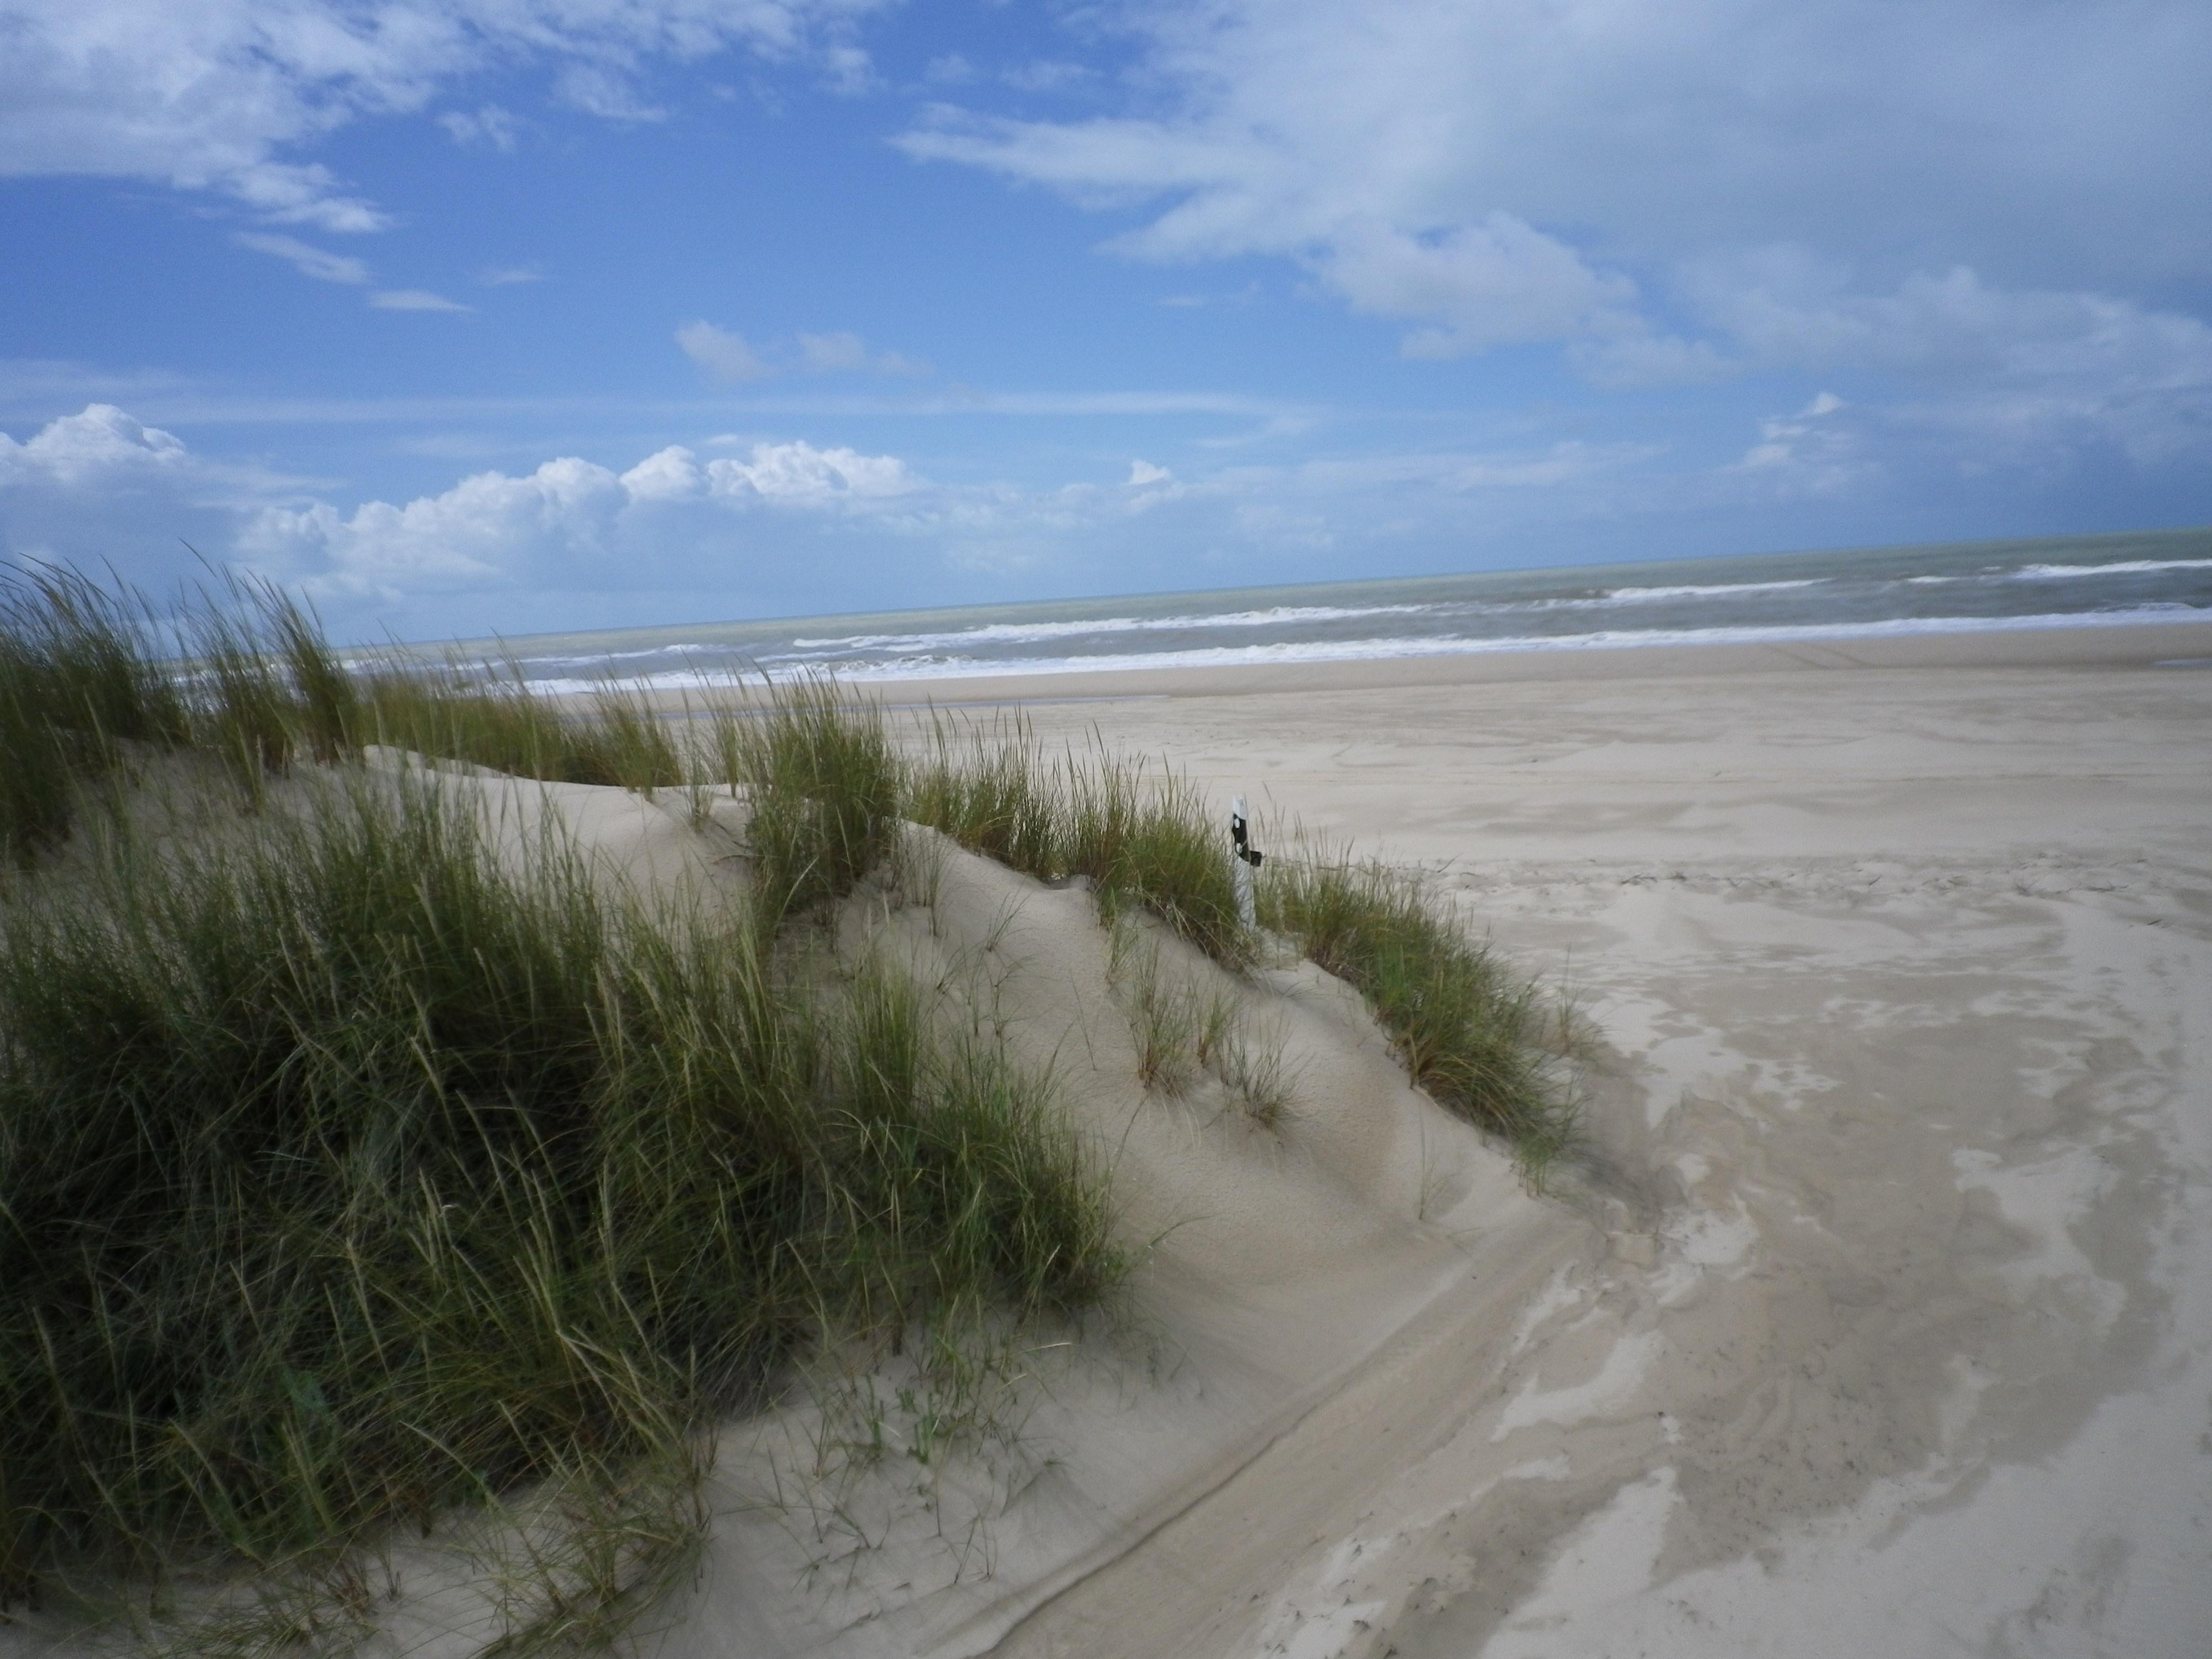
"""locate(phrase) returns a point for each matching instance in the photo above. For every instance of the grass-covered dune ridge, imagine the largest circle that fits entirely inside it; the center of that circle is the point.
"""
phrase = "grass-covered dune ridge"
(346, 1178)
(1468, 1028)
(360, 1164)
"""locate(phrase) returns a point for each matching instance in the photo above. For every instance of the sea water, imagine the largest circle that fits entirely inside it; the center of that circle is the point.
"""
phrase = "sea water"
(2099, 581)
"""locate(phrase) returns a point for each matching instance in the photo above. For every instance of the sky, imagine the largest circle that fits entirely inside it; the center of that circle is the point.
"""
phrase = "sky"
(466, 317)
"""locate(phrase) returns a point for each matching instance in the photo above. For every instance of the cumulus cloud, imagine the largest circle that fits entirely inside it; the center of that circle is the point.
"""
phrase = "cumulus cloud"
(100, 487)
(572, 517)
(103, 445)
(217, 94)
(796, 519)
(790, 524)
(798, 471)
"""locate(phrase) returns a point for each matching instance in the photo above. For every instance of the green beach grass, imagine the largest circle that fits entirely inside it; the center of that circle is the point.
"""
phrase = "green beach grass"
(1140, 834)
(1467, 1028)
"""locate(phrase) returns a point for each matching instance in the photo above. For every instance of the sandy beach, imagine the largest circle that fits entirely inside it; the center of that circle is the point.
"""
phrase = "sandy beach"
(1874, 1313)
(1895, 1331)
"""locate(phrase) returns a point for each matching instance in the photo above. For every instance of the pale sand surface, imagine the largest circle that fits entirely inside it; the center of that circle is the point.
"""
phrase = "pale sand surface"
(1902, 1342)
(1881, 1320)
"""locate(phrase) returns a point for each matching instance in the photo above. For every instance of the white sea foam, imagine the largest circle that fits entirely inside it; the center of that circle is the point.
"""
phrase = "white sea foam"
(1037, 633)
(2045, 573)
(1638, 595)
(1379, 648)
(1041, 633)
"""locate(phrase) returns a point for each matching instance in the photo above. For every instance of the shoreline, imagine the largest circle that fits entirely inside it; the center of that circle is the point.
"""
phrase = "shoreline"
(2140, 644)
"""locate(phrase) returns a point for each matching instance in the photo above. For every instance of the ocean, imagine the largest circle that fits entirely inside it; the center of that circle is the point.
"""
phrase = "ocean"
(2101, 580)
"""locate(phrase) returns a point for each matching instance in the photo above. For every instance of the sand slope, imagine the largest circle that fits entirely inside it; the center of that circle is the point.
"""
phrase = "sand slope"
(1273, 1257)
(1274, 1260)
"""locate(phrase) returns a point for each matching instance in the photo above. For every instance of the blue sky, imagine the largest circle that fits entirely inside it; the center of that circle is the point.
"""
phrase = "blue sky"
(504, 315)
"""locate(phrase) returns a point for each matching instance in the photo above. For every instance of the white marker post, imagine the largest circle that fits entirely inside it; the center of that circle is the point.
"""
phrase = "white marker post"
(1242, 861)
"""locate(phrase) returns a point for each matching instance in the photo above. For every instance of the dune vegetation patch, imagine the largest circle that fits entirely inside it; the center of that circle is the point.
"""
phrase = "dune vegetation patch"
(1468, 1028)
(1139, 833)
(364, 1169)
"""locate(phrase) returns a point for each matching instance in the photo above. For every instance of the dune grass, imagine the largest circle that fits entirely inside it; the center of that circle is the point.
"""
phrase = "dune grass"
(78, 688)
(494, 719)
(344, 1179)
(1141, 834)
(92, 678)
(1463, 1023)
(824, 786)
(1175, 1031)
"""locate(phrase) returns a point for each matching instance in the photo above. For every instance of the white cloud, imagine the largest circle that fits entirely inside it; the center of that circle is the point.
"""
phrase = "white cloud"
(605, 91)
(789, 473)
(488, 125)
(101, 488)
(849, 70)
(720, 354)
(793, 524)
(509, 275)
(413, 299)
(218, 95)
(843, 352)
(1967, 191)
(101, 485)
(802, 520)
(832, 351)
(324, 266)
(307, 260)
(1784, 308)
(1808, 453)
(103, 445)
(800, 473)
(571, 517)
(1498, 282)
